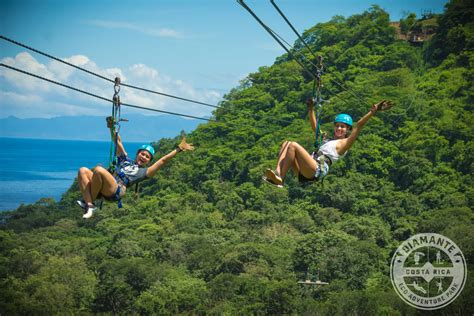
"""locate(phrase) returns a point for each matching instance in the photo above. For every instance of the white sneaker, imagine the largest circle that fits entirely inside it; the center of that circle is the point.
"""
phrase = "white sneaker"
(82, 204)
(89, 212)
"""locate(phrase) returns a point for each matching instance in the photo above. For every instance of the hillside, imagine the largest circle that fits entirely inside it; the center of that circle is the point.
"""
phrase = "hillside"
(206, 236)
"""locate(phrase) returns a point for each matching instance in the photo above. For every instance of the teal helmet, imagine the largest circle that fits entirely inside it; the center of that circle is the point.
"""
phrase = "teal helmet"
(343, 118)
(148, 148)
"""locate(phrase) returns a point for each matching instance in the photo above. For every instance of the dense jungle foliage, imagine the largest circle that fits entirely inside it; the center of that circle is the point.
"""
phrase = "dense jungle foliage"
(206, 236)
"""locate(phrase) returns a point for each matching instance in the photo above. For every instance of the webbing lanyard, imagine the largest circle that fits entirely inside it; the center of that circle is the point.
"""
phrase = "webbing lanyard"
(113, 122)
(318, 101)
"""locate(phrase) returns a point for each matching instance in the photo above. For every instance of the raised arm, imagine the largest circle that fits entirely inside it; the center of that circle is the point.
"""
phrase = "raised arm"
(312, 116)
(346, 143)
(183, 146)
(120, 148)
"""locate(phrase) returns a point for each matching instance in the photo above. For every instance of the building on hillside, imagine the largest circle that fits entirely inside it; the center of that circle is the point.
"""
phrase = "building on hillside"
(421, 30)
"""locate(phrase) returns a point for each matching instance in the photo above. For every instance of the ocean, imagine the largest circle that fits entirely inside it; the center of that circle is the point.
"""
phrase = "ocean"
(31, 169)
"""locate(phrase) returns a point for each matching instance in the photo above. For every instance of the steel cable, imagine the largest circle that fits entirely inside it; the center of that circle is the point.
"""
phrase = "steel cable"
(103, 77)
(99, 97)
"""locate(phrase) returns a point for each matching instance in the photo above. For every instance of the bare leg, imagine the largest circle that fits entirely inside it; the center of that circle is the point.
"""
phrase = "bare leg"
(297, 156)
(102, 182)
(281, 156)
(296, 168)
(283, 147)
(84, 177)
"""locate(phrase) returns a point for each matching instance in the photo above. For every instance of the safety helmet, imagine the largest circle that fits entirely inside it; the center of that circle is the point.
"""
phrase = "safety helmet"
(148, 148)
(343, 118)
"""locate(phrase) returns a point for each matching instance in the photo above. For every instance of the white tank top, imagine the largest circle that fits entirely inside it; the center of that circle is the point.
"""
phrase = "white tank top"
(329, 149)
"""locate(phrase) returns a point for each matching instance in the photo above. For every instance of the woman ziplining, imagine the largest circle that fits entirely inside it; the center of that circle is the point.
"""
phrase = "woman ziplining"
(315, 166)
(99, 182)
(123, 172)
(310, 167)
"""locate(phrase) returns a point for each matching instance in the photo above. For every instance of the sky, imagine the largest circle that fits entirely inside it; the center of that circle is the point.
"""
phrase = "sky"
(196, 49)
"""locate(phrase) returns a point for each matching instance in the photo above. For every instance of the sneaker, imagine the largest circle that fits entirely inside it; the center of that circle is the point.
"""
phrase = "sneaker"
(82, 204)
(271, 175)
(89, 211)
(269, 181)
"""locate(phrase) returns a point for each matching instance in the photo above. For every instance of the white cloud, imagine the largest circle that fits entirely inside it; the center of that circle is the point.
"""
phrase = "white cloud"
(25, 96)
(33, 106)
(26, 62)
(78, 60)
(156, 32)
(163, 32)
(19, 98)
(144, 72)
(63, 72)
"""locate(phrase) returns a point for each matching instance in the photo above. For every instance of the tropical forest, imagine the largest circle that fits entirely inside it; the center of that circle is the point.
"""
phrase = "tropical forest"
(207, 236)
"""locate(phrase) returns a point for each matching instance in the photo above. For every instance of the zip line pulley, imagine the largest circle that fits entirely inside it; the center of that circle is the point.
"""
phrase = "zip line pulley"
(113, 123)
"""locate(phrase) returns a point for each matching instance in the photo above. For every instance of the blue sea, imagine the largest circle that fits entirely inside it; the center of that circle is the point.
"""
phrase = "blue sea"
(31, 169)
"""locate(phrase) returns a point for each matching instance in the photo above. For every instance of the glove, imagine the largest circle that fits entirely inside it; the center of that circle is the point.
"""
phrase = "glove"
(381, 106)
(185, 146)
(384, 105)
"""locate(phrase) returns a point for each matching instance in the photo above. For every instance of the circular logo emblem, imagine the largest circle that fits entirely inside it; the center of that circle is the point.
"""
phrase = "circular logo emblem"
(428, 271)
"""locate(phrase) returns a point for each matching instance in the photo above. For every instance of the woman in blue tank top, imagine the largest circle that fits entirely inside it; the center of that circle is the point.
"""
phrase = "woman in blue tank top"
(314, 166)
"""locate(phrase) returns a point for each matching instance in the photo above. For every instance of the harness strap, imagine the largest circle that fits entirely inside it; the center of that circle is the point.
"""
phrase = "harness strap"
(121, 179)
(324, 158)
(318, 101)
(117, 197)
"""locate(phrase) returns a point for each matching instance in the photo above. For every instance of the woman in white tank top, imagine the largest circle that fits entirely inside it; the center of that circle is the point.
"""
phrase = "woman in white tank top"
(312, 166)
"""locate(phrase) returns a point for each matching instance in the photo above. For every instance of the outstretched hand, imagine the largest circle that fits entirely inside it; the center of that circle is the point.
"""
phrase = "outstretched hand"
(381, 106)
(184, 146)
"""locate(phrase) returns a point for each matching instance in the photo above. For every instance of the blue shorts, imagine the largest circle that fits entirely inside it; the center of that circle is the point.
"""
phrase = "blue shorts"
(322, 169)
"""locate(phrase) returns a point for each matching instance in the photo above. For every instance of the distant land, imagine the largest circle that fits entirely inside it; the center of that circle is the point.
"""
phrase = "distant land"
(140, 128)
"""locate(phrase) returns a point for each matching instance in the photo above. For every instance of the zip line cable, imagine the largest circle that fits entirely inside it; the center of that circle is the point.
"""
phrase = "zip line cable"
(256, 116)
(322, 72)
(139, 88)
(311, 52)
(274, 34)
(291, 26)
(280, 41)
(103, 77)
(169, 95)
(107, 79)
(102, 98)
(315, 66)
(271, 32)
(268, 29)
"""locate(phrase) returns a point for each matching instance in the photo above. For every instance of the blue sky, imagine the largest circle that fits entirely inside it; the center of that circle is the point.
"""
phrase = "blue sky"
(197, 49)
